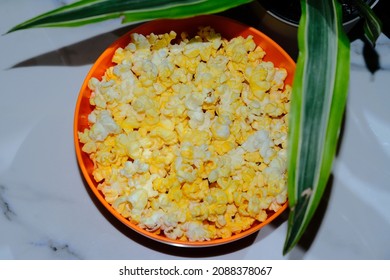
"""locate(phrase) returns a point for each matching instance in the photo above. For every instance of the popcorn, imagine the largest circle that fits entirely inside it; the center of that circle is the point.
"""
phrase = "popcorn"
(188, 139)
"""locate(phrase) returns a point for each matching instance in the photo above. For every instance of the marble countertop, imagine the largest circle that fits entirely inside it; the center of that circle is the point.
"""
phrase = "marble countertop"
(47, 211)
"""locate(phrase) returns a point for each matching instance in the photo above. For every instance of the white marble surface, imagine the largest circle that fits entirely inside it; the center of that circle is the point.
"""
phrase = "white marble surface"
(46, 210)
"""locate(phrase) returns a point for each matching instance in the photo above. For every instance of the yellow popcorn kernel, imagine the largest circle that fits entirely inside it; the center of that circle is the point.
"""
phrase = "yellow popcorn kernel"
(220, 128)
(206, 33)
(262, 216)
(195, 190)
(209, 165)
(89, 147)
(138, 90)
(257, 54)
(199, 120)
(162, 185)
(182, 130)
(248, 175)
(157, 168)
(241, 131)
(224, 166)
(196, 137)
(230, 188)
(110, 193)
(119, 55)
(236, 49)
(223, 147)
(212, 231)
(258, 85)
(193, 101)
(143, 104)
(162, 41)
(180, 75)
(185, 172)
(101, 172)
(220, 222)
(140, 41)
(199, 211)
(98, 100)
(119, 112)
(217, 200)
(110, 75)
(187, 151)
(161, 87)
(173, 233)
(241, 200)
(105, 158)
(205, 76)
(160, 162)
(249, 44)
(175, 193)
(130, 144)
(131, 47)
(274, 109)
(103, 127)
(114, 186)
(126, 204)
(165, 70)
(253, 157)
(180, 61)
(255, 72)
(93, 84)
(130, 123)
(123, 206)
(235, 81)
(258, 180)
(196, 231)
(230, 106)
(168, 155)
(176, 215)
(193, 49)
(206, 51)
(224, 232)
(131, 168)
(277, 80)
(167, 135)
(254, 206)
(262, 122)
(238, 223)
(151, 220)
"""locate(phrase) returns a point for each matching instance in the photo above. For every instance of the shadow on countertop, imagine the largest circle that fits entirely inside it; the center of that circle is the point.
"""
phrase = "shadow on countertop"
(78, 54)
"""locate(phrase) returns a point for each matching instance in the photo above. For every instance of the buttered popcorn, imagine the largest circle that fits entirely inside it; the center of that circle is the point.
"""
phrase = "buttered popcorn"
(188, 135)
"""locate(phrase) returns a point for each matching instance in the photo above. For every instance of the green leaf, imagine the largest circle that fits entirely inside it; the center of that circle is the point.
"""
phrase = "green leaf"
(317, 105)
(91, 11)
(372, 24)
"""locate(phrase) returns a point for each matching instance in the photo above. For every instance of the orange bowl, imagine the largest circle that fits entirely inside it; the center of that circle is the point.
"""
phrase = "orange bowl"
(228, 29)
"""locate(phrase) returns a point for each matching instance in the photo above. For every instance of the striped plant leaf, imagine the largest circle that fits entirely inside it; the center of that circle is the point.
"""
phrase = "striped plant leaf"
(317, 105)
(372, 24)
(91, 11)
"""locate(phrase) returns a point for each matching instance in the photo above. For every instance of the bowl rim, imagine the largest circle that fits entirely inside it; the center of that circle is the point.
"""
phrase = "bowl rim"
(97, 71)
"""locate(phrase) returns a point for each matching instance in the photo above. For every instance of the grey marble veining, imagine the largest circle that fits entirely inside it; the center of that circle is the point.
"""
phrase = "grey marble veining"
(8, 213)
